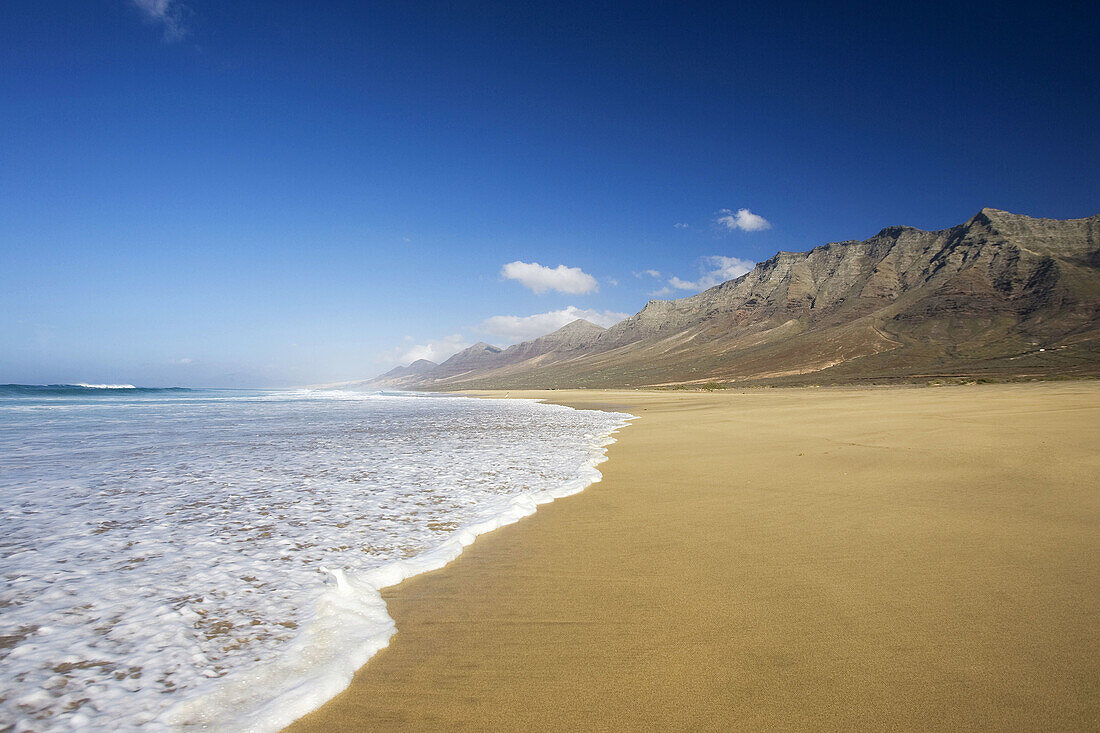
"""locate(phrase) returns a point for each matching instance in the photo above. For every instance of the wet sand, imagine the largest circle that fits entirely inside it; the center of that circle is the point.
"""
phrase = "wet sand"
(881, 558)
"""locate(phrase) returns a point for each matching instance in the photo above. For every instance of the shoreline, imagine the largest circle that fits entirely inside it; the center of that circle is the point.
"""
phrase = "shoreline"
(783, 558)
(351, 623)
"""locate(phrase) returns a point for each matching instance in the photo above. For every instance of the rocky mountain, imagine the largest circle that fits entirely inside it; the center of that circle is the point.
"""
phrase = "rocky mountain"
(1002, 295)
(569, 340)
(417, 368)
(468, 361)
(402, 376)
(579, 334)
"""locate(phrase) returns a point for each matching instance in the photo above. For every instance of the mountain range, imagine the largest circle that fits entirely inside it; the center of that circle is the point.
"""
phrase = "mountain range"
(1001, 296)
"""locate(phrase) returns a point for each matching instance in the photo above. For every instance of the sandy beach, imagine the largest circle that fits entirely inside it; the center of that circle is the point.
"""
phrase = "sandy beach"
(879, 558)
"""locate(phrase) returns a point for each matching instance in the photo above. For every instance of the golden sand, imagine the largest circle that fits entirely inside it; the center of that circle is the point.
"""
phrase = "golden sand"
(884, 558)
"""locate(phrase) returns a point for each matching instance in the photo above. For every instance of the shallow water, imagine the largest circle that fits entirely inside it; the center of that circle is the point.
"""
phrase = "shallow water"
(161, 552)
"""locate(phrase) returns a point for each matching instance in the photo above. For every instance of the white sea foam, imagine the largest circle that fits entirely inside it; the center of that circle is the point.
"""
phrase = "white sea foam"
(214, 560)
(104, 386)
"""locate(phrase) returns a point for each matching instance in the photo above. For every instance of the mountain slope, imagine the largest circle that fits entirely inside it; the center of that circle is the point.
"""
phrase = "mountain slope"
(1001, 295)
(399, 377)
(482, 358)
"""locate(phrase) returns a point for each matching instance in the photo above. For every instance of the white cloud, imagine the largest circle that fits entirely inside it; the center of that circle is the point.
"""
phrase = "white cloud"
(513, 329)
(682, 225)
(435, 350)
(719, 269)
(612, 281)
(651, 273)
(168, 13)
(744, 220)
(539, 278)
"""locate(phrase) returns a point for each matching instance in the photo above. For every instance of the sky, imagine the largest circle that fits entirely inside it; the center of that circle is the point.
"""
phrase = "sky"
(264, 193)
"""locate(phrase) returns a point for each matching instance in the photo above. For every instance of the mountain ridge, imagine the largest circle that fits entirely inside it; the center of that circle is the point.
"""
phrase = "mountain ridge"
(986, 298)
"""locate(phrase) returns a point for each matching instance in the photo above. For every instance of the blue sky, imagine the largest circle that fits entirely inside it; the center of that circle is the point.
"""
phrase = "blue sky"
(270, 193)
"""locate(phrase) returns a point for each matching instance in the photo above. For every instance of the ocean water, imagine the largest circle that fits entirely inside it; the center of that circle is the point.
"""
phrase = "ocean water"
(175, 559)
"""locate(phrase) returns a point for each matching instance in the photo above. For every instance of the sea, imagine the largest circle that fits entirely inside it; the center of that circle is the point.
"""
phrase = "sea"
(178, 559)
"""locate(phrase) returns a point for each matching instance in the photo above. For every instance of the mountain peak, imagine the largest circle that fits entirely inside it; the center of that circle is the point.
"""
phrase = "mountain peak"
(479, 347)
(421, 365)
(573, 335)
(578, 326)
(989, 215)
(895, 231)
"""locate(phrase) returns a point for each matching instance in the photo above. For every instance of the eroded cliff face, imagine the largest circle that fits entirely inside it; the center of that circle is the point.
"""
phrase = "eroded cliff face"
(1000, 295)
(995, 262)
